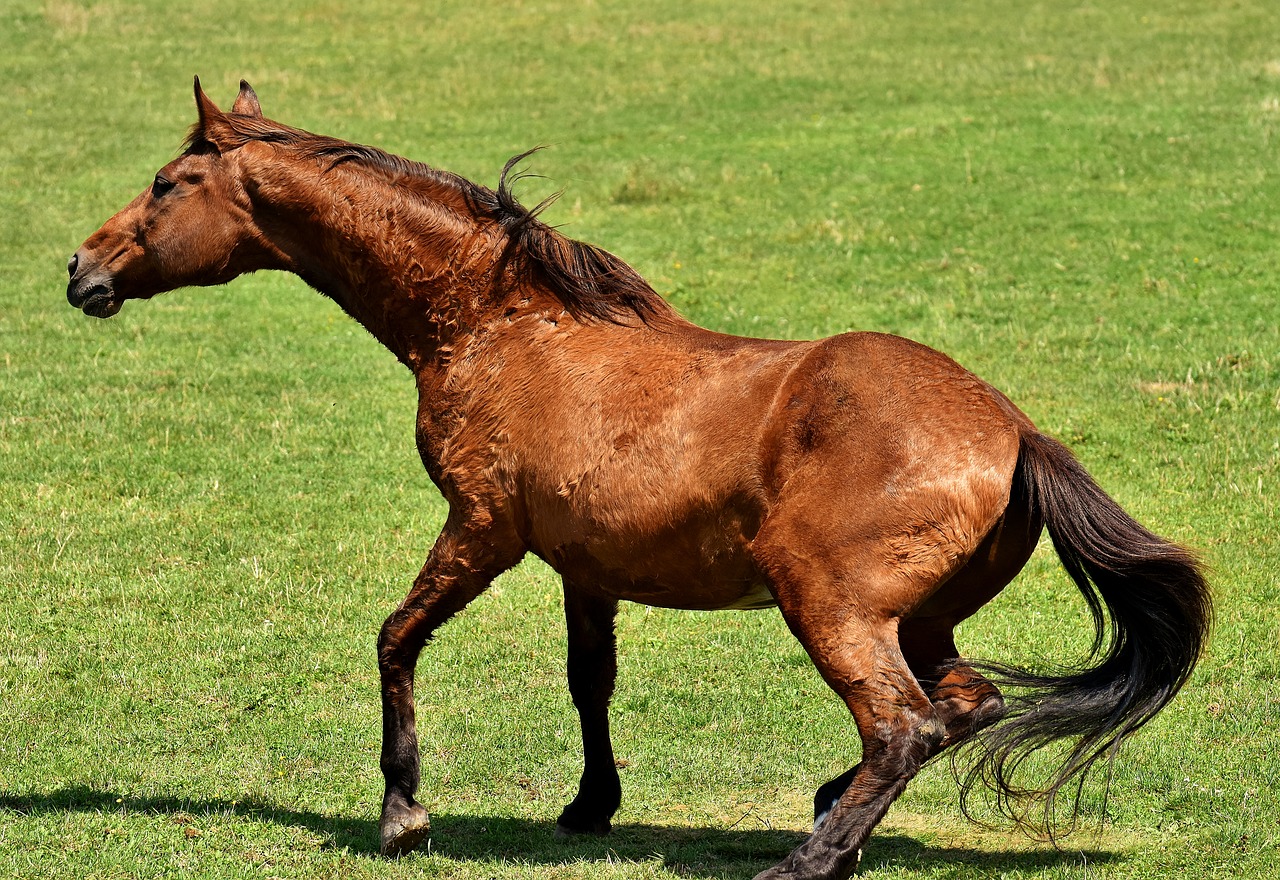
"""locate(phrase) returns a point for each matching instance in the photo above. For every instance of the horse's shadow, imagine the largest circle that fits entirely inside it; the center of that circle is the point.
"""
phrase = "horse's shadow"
(732, 854)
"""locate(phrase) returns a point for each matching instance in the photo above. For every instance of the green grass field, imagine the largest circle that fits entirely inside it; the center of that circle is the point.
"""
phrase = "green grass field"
(209, 503)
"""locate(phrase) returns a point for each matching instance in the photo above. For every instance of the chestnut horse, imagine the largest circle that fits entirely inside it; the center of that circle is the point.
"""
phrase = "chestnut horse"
(869, 487)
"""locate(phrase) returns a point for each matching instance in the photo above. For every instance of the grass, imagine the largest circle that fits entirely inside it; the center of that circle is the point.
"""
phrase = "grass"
(208, 504)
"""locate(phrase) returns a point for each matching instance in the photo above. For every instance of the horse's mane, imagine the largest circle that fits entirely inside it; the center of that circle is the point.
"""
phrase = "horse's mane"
(589, 281)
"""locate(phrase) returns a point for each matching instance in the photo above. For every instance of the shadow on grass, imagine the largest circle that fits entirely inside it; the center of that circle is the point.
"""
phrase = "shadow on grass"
(694, 852)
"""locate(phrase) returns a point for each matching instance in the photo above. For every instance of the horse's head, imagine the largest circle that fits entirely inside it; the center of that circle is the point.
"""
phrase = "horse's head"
(193, 226)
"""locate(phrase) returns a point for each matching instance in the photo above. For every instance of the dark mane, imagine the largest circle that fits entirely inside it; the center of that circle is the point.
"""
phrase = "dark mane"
(589, 281)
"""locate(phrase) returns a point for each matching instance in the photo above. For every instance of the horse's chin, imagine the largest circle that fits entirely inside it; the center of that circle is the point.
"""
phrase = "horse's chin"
(102, 306)
(98, 302)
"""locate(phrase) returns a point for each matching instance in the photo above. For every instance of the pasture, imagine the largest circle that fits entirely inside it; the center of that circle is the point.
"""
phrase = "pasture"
(209, 503)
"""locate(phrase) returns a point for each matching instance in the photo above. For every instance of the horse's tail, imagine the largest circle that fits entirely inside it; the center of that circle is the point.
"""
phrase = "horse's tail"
(1146, 642)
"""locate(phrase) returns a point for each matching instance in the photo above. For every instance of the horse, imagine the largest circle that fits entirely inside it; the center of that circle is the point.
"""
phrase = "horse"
(869, 487)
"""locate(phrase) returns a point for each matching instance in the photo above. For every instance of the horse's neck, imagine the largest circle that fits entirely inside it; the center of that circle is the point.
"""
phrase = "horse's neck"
(413, 272)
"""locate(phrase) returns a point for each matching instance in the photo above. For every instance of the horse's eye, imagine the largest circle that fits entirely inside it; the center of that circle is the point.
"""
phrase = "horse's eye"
(160, 186)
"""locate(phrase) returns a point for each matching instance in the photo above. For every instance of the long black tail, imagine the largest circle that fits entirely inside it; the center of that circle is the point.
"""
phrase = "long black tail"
(1151, 612)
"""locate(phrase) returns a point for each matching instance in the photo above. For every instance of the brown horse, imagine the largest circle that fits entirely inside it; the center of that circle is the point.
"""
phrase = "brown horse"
(869, 487)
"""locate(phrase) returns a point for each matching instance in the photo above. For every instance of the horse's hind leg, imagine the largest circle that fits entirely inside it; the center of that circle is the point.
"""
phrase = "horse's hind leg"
(592, 670)
(900, 731)
(461, 566)
(965, 702)
(851, 635)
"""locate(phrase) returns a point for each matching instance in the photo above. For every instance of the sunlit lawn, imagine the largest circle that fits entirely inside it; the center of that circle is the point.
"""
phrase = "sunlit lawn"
(209, 503)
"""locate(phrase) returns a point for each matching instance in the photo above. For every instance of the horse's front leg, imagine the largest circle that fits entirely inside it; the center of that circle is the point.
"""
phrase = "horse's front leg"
(592, 668)
(460, 567)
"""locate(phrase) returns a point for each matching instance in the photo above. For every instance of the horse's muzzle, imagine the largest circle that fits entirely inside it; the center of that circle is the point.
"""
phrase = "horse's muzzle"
(90, 291)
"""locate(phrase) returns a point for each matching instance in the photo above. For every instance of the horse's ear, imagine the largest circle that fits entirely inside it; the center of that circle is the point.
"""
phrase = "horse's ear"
(247, 101)
(211, 126)
(205, 107)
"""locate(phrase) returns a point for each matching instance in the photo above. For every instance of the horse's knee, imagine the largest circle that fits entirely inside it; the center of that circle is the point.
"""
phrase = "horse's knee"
(919, 742)
(400, 640)
(390, 637)
(931, 732)
(385, 635)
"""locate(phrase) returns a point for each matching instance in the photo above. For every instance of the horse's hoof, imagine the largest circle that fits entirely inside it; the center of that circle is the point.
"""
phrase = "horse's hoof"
(785, 870)
(597, 829)
(403, 832)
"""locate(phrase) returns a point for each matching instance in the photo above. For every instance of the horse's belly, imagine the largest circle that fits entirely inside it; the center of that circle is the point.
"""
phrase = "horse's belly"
(688, 594)
(756, 596)
(669, 571)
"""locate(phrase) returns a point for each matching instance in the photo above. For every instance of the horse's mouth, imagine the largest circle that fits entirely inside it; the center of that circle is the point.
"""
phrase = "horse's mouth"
(98, 300)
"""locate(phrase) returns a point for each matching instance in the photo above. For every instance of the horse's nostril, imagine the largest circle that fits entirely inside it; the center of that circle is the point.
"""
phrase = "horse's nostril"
(72, 264)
